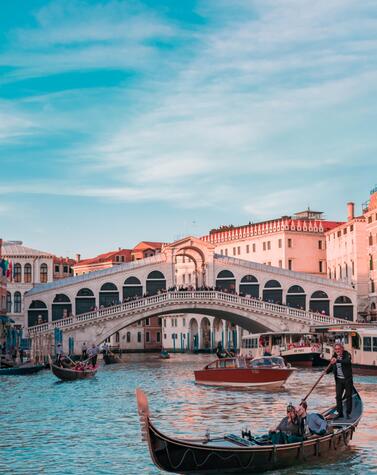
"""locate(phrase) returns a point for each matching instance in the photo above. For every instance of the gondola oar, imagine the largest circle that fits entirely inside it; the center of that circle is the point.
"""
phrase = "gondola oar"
(316, 383)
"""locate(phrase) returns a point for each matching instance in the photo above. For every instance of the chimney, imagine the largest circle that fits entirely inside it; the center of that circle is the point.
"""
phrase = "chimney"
(1, 246)
(351, 210)
(78, 258)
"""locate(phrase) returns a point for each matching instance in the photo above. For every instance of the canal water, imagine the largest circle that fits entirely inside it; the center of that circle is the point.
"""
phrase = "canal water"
(49, 427)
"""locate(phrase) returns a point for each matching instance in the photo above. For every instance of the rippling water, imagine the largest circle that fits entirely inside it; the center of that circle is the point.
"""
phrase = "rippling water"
(49, 427)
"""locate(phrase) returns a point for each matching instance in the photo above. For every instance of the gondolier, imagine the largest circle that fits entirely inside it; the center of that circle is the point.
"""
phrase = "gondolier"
(341, 366)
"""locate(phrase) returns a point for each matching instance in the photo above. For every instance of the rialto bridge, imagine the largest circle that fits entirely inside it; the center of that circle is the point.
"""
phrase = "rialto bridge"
(88, 307)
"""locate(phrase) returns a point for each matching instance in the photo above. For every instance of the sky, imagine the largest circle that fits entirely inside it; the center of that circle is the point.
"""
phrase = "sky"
(123, 121)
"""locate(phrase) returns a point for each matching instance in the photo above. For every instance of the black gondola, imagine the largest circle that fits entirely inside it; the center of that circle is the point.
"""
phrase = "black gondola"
(233, 454)
(110, 358)
(69, 374)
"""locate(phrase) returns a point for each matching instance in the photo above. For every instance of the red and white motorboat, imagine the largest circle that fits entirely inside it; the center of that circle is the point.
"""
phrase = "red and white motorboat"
(265, 372)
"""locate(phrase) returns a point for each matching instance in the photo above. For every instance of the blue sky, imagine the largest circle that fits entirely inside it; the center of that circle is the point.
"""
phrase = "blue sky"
(123, 121)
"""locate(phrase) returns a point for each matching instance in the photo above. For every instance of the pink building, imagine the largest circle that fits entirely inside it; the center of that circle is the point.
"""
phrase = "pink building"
(291, 242)
(370, 213)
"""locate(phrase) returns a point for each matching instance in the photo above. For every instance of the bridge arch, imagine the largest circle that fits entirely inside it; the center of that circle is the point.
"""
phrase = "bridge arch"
(37, 313)
(296, 297)
(155, 282)
(273, 291)
(205, 334)
(249, 285)
(343, 308)
(61, 307)
(85, 301)
(194, 334)
(225, 280)
(132, 287)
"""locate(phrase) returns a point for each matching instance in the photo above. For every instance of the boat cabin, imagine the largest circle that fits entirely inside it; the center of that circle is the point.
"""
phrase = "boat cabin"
(246, 363)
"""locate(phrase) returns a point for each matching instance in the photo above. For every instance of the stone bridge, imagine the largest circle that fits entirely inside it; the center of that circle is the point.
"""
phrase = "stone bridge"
(252, 314)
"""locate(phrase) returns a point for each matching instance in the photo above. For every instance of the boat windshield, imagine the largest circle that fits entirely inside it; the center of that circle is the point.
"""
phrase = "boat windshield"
(267, 362)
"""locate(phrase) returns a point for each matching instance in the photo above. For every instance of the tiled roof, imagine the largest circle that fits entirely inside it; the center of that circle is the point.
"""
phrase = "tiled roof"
(10, 249)
(106, 257)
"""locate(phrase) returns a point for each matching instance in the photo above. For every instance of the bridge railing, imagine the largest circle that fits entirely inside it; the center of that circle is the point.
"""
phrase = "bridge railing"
(199, 296)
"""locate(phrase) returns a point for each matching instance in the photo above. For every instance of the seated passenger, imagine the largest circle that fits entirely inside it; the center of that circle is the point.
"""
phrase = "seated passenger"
(289, 429)
(314, 423)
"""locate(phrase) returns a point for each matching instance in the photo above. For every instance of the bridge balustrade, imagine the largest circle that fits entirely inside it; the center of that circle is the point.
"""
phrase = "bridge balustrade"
(199, 296)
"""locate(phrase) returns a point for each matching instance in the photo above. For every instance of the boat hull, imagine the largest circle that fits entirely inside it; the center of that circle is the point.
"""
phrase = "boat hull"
(22, 370)
(111, 359)
(65, 374)
(301, 358)
(243, 377)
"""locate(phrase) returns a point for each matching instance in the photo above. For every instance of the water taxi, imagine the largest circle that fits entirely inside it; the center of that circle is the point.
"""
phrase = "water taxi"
(359, 340)
(265, 372)
(300, 349)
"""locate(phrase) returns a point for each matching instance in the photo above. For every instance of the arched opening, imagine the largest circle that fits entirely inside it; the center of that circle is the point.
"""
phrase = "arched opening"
(194, 335)
(218, 332)
(231, 336)
(249, 285)
(61, 307)
(132, 288)
(17, 273)
(319, 302)
(37, 313)
(27, 274)
(17, 302)
(205, 328)
(296, 297)
(343, 308)
(155, 282)
(225, 281)
(9, 302)
(273, 292)
(108, 295)
(85, 301)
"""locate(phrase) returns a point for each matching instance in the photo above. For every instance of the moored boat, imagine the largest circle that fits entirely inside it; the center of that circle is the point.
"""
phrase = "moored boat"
(110, 358)
(231, 453)
(268, 371)
(71, 374)
(21, 370)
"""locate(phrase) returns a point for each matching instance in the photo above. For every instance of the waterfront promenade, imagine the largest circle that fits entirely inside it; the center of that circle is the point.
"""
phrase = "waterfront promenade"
(92, 426)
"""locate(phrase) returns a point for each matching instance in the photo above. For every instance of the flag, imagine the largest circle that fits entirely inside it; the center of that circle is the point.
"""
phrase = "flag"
(9, 272)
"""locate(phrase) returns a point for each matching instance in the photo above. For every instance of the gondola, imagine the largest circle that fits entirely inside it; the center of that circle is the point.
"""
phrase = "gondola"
(234, 454)
(22, 370)
(164, 355)
(68, 374)
(110, 358)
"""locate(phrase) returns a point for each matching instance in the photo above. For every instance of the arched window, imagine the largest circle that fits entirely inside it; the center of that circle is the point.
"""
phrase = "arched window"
(249, 285)
(343, 308)
(85, 301)
(296, 297)
(319, 302)
(226, 281)
(132, 287)
(128, 337)
(17, 302)
(273, 292)
(61, 307)
(9, 302)
(155, 282)
(43, 273)
(117, 337)
(17, 273)
(37, 313)
(139, 337)
(108, 295)
(27, 273)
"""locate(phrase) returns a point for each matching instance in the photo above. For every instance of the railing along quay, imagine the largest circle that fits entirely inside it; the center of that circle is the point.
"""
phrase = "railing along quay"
(260, 306)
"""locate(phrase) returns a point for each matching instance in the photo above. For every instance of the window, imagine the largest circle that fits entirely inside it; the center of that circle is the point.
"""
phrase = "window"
(184, 322)
(339, 233)
(370, 263)
(147, 337)
(329, 273)
(353, 268)
(290, 264)
(57, 269)
(264, 246)
(17, 302)
(17, 272)
(254, 247)
(370, 240)
(247, 248)
(238, 250)
(234, 251)
(222, 252)
(369, 219)
(280, 263)
(27, 273)
(269, 245)
(160, 321)
(43, 273)
(367, 343)
(65, 269)
(289, 242)
(372, 286)
(351, 228)
(139, 337)
(9, 302)
(280, 242)
(147, 322)
(320, 244)
(128, 337)
(158, 337)
(226, 252)
(345, 231)
(374, 343)
(320, 265)
(117, 338)
(165, 322)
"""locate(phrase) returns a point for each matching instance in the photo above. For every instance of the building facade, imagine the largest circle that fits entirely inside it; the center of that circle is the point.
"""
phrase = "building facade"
(295, 243)
(370, 214)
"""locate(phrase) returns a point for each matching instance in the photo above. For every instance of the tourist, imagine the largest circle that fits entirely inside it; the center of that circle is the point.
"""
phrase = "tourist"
(92, 353)
(289, 429)
(341, 366)
(313, 423)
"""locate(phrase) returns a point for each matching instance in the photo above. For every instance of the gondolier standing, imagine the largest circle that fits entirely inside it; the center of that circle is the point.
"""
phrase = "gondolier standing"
(341, 366)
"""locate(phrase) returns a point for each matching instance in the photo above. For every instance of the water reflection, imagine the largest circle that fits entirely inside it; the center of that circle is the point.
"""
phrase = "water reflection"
(53, 428)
